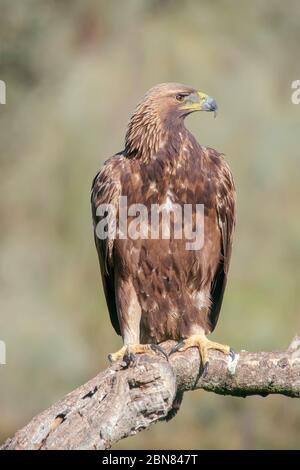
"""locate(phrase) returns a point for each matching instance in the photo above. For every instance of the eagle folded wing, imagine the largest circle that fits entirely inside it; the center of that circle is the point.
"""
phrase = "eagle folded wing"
(106, 190)
(226, 218)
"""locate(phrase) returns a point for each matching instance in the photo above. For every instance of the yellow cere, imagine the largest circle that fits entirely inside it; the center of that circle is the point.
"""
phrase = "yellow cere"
(197, 105)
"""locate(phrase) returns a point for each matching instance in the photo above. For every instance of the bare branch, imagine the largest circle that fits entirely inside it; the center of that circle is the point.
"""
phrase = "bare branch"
(120, 402)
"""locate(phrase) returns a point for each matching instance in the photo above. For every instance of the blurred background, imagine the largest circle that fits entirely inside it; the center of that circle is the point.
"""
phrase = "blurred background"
(74, 71)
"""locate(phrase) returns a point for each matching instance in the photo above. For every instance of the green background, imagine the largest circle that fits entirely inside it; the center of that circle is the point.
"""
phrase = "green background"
(74, 72)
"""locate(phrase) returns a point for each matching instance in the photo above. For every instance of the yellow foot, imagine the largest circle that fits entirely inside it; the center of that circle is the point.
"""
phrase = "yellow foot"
(127, 353)
(203, 344)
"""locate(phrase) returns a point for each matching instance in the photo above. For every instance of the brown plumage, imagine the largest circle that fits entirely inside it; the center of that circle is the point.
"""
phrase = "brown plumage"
(157, 289)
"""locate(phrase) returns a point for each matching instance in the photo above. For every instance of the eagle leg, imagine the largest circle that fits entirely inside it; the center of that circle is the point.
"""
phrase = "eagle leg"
(204, 345)
(127, 352)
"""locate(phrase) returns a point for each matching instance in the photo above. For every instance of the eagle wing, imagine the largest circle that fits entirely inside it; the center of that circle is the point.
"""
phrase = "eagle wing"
(106, 190)
(226, 213)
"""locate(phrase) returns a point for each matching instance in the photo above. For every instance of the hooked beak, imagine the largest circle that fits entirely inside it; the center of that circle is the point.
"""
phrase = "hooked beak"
(199, 101)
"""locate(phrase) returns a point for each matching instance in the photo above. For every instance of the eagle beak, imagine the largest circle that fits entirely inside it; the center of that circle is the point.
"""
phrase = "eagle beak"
(199, 101)
(207, 103)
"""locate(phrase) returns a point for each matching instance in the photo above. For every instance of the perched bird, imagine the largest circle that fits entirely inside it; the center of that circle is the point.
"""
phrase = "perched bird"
(156, 288)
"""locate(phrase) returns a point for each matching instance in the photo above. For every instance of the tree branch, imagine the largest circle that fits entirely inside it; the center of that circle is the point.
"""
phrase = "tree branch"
(120, 402)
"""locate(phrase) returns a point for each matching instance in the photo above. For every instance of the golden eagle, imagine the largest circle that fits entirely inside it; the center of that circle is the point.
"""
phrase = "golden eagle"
(156, 289)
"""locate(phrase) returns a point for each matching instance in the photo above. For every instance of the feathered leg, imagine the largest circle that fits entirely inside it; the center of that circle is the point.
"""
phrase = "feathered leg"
(130, 318)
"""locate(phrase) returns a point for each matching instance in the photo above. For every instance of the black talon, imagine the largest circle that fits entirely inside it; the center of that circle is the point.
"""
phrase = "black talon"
(232, 354)
(157, 347)
(176, 347)
(202, 373)
(205, 369)
(129, 360)
(109, 357)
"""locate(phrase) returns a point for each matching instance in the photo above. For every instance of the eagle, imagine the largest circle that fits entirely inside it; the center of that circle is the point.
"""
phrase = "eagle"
(159, 289)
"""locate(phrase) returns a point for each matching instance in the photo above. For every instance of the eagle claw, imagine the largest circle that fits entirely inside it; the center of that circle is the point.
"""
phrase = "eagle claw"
(158, 348)
(129, 360)
(128, 353)
(109, 357)
(177, 347)
(205, 369)
(232, 354)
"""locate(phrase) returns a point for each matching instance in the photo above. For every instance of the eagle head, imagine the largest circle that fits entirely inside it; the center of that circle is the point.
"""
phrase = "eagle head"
(174, 100)
(162, 109)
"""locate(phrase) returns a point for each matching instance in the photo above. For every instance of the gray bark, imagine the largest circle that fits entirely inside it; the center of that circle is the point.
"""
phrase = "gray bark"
(121, 401)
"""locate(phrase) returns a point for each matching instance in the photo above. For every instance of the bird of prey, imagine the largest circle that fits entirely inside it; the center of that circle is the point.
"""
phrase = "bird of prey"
(156, 289)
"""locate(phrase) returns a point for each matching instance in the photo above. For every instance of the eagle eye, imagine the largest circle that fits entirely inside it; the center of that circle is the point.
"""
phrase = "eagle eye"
(181, 96)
